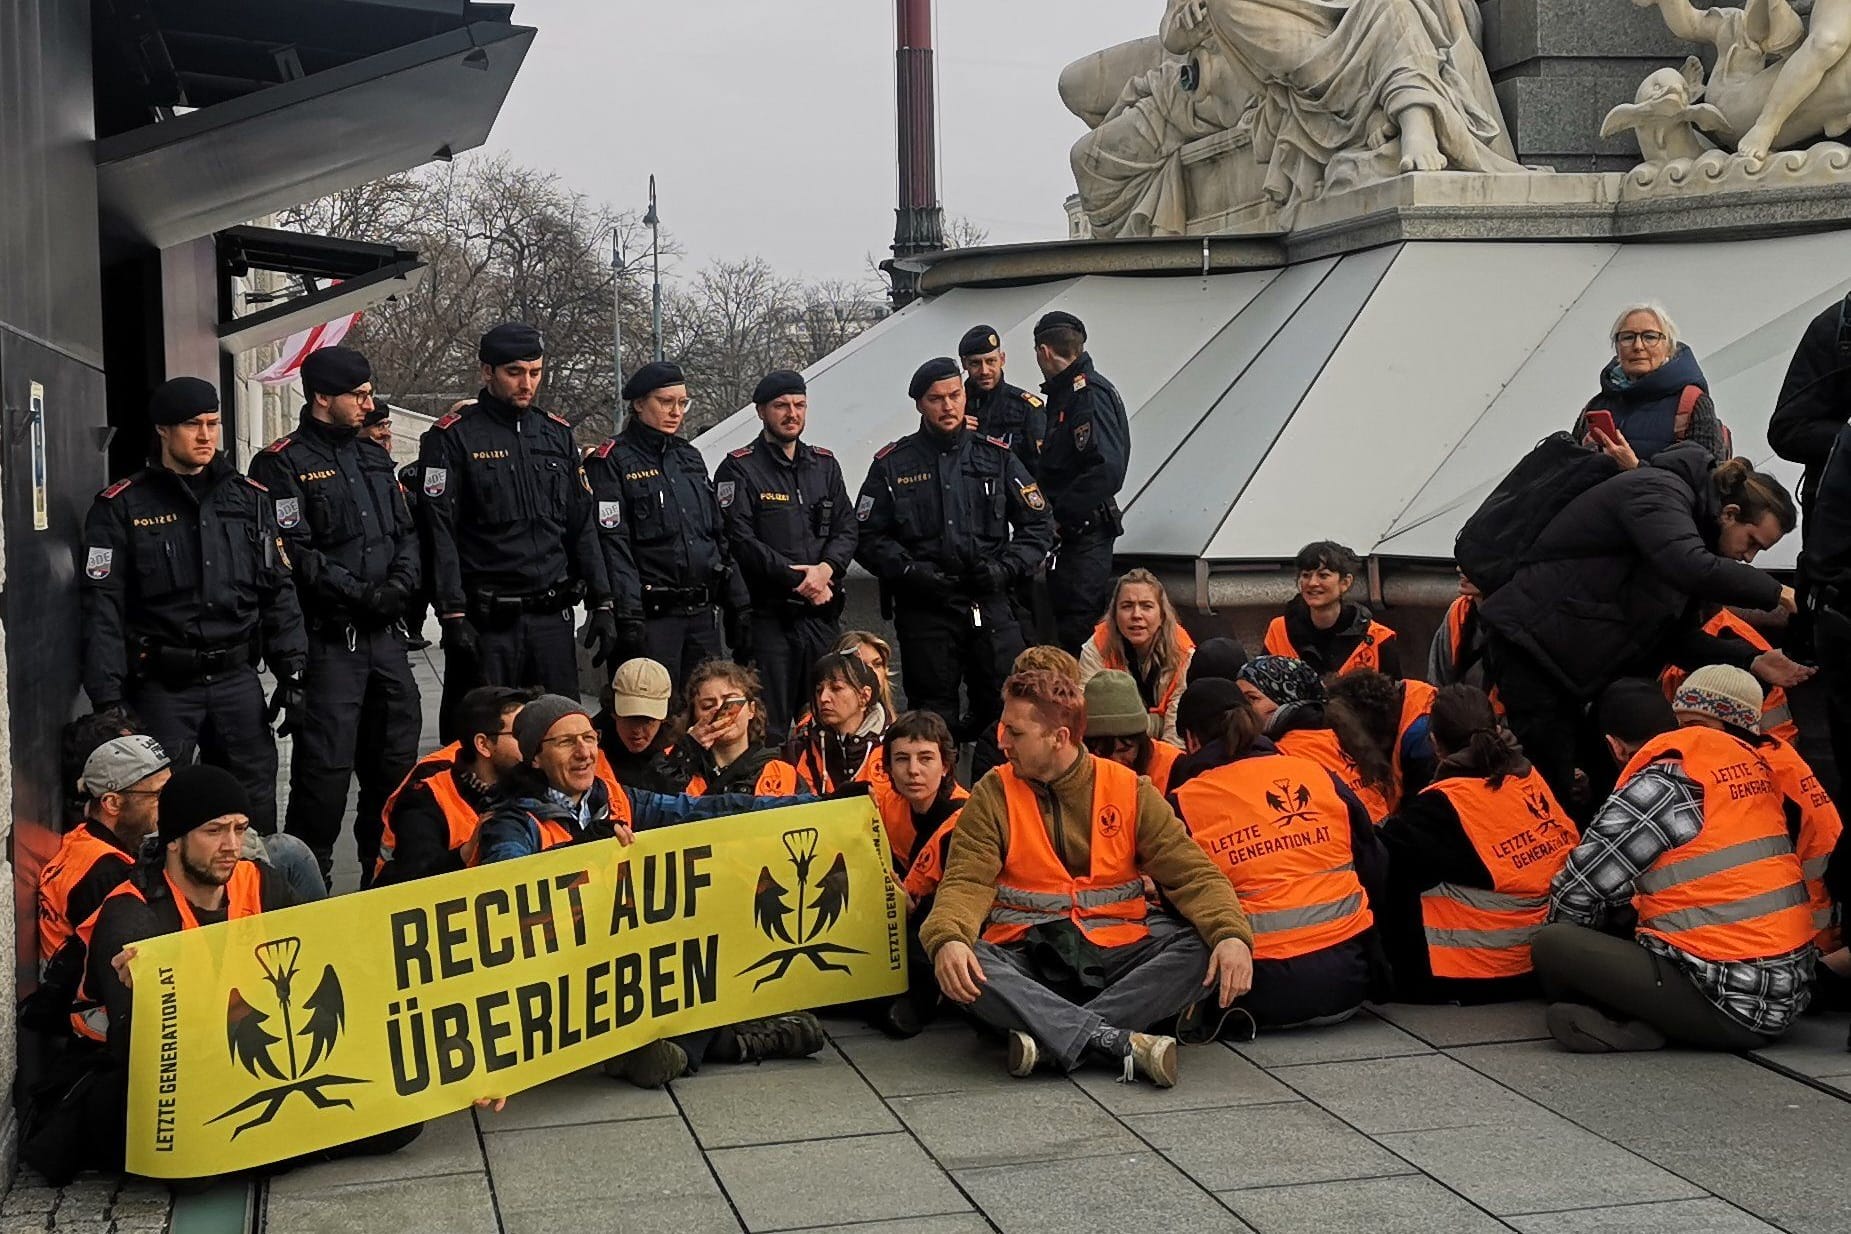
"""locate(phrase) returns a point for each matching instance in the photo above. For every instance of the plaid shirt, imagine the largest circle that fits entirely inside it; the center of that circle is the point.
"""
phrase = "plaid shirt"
(1656, 811)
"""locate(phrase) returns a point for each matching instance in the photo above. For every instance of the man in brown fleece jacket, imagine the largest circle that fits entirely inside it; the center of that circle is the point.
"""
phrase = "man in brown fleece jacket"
(1040, 925)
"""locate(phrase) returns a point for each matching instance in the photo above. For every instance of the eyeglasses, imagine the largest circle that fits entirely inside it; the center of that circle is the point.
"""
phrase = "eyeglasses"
(1111, 745)
(1626, 338)
(584, 740)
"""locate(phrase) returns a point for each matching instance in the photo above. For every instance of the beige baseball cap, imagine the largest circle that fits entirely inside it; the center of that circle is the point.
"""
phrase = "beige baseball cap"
(641, 688)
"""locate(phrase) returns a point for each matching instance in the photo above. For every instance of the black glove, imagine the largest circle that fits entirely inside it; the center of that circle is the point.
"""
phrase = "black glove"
(460, 638)
(386, 601)
(289, 702)
(990, 578)
(928, 581)
(601, 635)
(739, 631)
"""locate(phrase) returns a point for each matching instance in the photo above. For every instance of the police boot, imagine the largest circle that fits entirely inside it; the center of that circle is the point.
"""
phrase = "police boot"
(782, 1036)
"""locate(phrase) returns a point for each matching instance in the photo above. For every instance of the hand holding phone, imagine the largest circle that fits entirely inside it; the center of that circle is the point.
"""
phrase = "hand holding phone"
(1600, 421)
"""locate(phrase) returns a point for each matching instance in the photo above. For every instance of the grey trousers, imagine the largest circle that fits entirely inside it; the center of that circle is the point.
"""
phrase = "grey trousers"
(1146, 982)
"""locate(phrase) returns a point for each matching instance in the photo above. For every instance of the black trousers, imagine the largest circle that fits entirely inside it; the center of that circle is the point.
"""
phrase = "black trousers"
(220, 719)
(535, 649)
(1553, 725)
(944, 646)
(1080, 586)
(1618, 976)
(1832, 647)
(785, 645)
(363, 718)
(683, 639)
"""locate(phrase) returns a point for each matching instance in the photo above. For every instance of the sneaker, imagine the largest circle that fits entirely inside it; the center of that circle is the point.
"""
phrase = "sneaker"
(798, 1035)
(1585, 1030)
(1024, 1055)
(650, 1066)
(1152, 1057)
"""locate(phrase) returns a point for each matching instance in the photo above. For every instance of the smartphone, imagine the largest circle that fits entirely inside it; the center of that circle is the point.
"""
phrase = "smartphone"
(728, 706)
(1599, 421)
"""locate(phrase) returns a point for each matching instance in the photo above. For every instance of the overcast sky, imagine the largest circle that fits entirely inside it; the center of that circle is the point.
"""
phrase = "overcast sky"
(769, 124)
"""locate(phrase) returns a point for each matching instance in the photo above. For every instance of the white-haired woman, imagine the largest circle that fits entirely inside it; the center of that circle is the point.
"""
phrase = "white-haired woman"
(1654, 391)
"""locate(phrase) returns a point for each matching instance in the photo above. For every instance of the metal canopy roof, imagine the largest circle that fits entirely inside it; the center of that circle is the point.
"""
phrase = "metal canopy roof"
(1371, 398)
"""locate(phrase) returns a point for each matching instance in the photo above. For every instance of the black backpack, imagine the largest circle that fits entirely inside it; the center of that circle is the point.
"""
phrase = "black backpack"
(1497, 539)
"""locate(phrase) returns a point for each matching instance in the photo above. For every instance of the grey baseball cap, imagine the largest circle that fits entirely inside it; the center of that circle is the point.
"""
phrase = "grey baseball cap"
(121, 762)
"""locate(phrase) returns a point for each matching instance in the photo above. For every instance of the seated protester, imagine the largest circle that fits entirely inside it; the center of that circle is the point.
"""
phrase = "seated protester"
(630, 725)
(1202, 718)
(1216, 657)
(77, 743)
(1320, 629)
(1394, 714)
(1056, 660)
(1118, 728)
(1141, 636)
(431, 818)
(1306, 876)
(1470, 860)
(920, 756)
(556, 797)
(1457, 655)
(873, 651)
(1041, 926)
(1694, 839)
(194, 875)
(1289, 697)
(724, 749)
(1776, 711)
(120, 783)
(843, 745)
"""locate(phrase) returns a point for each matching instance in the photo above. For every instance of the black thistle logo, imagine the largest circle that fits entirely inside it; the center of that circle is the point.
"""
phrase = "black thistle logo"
(1292, 801)
(815, 916)
(253, 1044)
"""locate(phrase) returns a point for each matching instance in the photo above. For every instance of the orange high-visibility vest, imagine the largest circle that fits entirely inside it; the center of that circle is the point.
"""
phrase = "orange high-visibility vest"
(1416, 701)
(1368, 653)
(1034, 888)
(927, 868)
(897, 819)
(813, 771)
(1457, 614)
(775, 779)
(1297, 878)
(1163, 758)
(243, 895)
(1321, 746)
(1107, 647)
(1735, 892)
(1519, 831)
(77, 855)
(458, 813)
(1776, 711)
(1820, 826)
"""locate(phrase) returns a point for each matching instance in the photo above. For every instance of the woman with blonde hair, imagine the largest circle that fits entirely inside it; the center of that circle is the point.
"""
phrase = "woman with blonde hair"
(1142, 636)
(877, 654)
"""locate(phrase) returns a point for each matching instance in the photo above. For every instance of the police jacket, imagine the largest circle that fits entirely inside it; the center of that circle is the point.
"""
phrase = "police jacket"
(1086, 450)
(782, 512)
(658, 520)
(1815, 401)
(191, 563)
(1013, 414)
(950, 502)
(507, 506)
(342, 516)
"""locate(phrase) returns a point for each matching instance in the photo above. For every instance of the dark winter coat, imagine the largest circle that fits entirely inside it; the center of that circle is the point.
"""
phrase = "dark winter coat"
(1645, 410)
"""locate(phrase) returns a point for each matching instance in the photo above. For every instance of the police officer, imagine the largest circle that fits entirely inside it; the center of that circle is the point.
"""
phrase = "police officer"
(789, 526)
(377, 427)
(418, 606)
(186, 583)
(355, 558)
(513, 542)
(1083, 460)
(664, 542)
(937, 512)
(996, 408)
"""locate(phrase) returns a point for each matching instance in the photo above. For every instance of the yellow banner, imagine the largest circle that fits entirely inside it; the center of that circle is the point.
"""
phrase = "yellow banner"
(287, 1032)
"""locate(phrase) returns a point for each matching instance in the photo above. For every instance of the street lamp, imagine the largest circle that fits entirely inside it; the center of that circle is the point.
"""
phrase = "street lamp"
(617, 270)
(654, 223)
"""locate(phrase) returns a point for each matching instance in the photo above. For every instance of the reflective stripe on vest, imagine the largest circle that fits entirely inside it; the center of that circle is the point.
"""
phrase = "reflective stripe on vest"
(1753, 907)
(1321, 746)
(1819, 828)
(1107, 647)
(1277, 827)
(1035, 888)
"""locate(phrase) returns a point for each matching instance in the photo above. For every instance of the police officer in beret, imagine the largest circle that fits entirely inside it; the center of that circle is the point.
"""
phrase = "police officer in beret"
(950, 519)
(355, 557)
(377, 427)
(1083, 461)
(996, 408)
(793, 533)
(185, 585)
(664, 540)
(514, 541)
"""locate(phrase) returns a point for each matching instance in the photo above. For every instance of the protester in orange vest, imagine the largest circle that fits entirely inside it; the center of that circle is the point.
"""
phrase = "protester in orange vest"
(1814, 825)
(724, 749)
(1118, 728)
(1470, 862)
(1041, 926)
(1290, 699)
(1457, 655)
(632, 724)
(875, 652)
(1319, 628)
(1776, 711)
(1202, 718)
(843, 746)
(1694, 839)
(1301, 853)
(1142, 636)
(1394, 714)
(431, 818)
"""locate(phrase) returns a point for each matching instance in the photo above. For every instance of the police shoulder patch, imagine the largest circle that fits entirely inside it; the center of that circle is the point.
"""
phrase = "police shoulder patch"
(1033, 399)
(1082, 434)
(279, 445)
(741, 452)
(288, 512)
(1032, 497)
(98, 562)
(605, 447)
(259, 485)
(117, 488)
(436, 479)
(823, 451)
(559, 420)
(725, 490)
(864, 508)
(887, 449)
(447, 419)
(1002, 442)
(1079, 381)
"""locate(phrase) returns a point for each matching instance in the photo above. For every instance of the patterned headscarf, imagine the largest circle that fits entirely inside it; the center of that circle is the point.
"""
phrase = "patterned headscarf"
(1284, 680)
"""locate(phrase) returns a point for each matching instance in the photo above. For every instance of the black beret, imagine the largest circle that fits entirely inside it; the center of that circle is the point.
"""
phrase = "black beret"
(509, 342)
(382, 411)
(335, 370)
(776, 384)
(180, 400)
(1056, 320)
(930, 373)
(979, 341)
(650, 378)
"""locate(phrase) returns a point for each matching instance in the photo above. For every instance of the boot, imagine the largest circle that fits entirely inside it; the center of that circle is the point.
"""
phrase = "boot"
(798, 1035)
(1586, 1030)
(650, 1066)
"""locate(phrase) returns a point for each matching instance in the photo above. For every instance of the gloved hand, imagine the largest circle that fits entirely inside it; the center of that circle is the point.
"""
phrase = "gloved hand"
(601, 635)
(460, 638)
(928, 581)
(386, 601)
(989, 578)
(739, 631)
(289, 702)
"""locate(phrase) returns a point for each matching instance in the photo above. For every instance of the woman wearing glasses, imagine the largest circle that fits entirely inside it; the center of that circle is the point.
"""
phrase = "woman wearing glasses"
(1118, 727)
(1653, 391)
